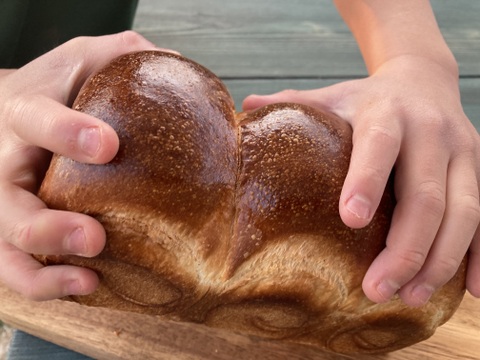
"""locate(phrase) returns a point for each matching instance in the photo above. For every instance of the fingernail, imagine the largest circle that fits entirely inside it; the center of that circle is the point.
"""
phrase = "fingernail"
(76, 242)
(386, 289)
(422, 293)
(89, 140)
(359, 206)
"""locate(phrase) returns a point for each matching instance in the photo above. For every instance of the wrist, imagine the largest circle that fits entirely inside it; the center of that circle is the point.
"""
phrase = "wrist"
(408, 64)
(389, 29)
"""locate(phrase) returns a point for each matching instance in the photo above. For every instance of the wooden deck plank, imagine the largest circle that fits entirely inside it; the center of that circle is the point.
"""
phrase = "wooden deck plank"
(264, 47)
(284, 38)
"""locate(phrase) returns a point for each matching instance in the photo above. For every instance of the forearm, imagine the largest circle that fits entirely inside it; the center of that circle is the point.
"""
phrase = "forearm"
(386, 29)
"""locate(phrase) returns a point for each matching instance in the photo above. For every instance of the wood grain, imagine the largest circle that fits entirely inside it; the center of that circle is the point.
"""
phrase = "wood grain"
(268, 46)
(108, 334)
(285, 38)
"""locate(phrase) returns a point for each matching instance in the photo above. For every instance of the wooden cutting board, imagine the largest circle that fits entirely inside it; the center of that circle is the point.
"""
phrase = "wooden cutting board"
(109, 334)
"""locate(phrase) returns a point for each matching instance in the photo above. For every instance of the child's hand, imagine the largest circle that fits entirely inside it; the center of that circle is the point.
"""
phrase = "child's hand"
(408, 115)
(33, 117)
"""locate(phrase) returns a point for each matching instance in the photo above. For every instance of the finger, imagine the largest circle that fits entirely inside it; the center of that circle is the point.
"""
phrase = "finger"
(421, 196)
(458, 227)
(473, 271)
(31, 227)
(39, 116)
(43, 122)
(22, 273)
(319, 98)
(375, 149)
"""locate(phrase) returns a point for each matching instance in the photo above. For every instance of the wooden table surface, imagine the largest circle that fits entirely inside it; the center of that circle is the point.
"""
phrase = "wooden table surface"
(108, 334)
(255, 47)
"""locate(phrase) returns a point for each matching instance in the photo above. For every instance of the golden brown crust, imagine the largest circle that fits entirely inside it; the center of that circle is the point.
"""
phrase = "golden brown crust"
(230, 220)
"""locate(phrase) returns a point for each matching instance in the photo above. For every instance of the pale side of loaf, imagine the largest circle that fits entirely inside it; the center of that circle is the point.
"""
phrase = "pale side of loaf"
(230, 220)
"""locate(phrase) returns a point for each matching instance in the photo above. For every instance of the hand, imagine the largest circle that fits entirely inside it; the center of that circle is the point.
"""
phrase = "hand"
(34, 118)
(408, 115)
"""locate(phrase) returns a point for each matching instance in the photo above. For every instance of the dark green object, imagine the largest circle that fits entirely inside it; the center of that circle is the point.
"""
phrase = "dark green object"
(29, 28)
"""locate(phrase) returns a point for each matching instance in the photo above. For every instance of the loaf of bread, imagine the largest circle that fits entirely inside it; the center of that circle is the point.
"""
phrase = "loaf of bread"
(230, 220)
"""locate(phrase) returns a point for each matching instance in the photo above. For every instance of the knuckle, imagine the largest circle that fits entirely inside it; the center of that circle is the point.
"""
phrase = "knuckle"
(430, 197)
(289, 94)
(469, 207)
(75, 42)
(74, 45)
(128, 37)
(375, 174)
(131, 38)
(411, 259)
(435, 122)
(14, 109)
(29, 107)
(446, 267)
(377, 133)
(22, 237)
(61, 60)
